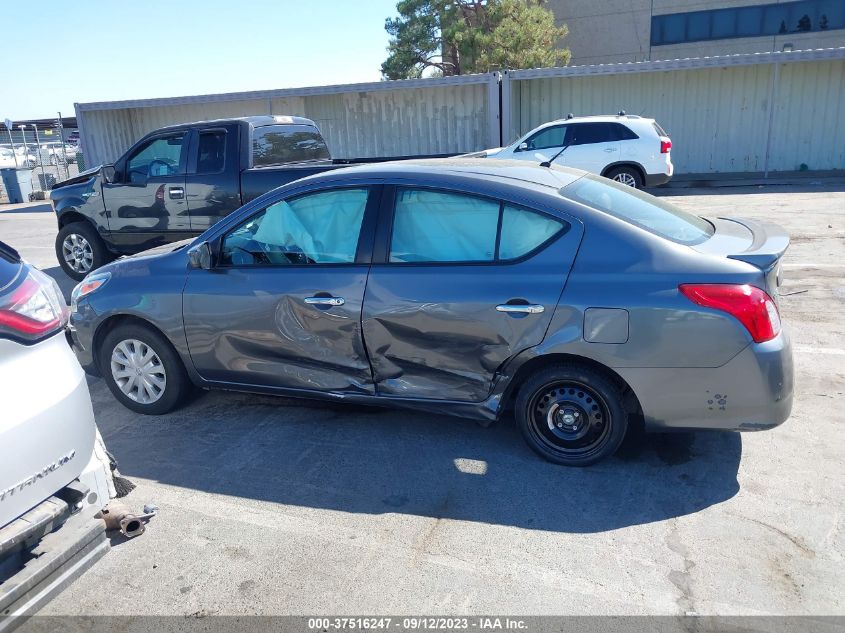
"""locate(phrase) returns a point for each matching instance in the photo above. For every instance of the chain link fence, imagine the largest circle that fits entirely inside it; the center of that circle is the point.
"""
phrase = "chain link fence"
(42, 157)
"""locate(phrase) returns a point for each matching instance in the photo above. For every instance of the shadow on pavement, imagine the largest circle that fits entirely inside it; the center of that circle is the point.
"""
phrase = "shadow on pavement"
(354, 459)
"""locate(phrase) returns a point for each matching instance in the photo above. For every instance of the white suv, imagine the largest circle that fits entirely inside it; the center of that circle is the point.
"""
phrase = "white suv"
(626, 148)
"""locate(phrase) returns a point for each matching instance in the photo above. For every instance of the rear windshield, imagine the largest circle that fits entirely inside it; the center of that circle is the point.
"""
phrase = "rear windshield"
(660, 131)
(277, 144)
(639, 209)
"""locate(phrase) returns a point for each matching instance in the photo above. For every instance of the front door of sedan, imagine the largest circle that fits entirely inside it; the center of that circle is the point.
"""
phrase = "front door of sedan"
(464, 284)
(282, 306)
(147, 206)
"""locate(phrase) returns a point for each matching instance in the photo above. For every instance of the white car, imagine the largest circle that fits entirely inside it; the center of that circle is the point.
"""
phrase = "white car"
(54, 470)
(58, 154)
(7, 158)
(627, 148)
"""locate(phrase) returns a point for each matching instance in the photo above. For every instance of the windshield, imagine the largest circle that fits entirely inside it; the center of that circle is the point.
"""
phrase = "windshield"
(277, 144)
(639, 209)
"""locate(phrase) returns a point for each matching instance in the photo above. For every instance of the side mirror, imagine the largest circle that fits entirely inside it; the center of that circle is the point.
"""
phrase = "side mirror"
(200, 256)
(109, 174)
(522, 147)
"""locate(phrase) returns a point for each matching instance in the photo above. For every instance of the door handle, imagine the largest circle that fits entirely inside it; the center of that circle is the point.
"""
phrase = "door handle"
(176, 193)
(610, 149)
(325, 301)
(531, 308)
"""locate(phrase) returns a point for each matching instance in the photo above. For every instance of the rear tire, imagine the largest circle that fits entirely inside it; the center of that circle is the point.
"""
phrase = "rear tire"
(571, 414)
(142, 369)
(80, 250)
(626, 175)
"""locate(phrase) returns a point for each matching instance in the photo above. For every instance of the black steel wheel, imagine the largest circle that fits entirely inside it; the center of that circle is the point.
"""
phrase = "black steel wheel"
(571, 415)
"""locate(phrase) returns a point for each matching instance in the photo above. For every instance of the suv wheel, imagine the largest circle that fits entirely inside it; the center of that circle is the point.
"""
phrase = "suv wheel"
(142, 370)
(80, 250)
(571, 415)
(627, 176)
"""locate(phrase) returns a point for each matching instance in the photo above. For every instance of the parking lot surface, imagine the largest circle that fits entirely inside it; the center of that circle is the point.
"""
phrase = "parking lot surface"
(278, 506)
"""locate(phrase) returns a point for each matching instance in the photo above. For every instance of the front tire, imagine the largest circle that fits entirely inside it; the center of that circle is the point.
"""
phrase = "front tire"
(571, 414)
(80, 250)
(142, 370)
(625, 175)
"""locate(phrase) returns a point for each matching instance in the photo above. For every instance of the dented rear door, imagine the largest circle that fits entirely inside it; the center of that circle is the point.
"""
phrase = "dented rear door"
(442, 330)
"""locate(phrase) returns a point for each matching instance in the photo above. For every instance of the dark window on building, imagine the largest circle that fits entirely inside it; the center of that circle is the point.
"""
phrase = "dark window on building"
(804, 16)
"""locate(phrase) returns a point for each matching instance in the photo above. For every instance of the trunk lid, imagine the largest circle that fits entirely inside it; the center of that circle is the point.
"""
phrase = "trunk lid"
(759, 243)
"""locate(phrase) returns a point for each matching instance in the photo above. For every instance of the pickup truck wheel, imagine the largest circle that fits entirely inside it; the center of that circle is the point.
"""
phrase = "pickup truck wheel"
(80, 250)
(571, 414)
(142, 370)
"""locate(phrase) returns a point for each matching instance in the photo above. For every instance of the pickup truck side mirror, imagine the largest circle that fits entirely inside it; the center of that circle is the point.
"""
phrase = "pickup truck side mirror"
(108, 173)
(200, 256)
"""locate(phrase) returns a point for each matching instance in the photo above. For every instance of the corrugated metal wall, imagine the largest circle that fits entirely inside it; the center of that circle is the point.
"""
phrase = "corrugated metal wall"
(717, 111)
(440, 119)
(718, 118)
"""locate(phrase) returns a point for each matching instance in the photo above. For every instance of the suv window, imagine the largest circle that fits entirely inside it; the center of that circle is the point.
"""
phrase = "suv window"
(588, 133)
(639, 209)
(158, 157)
(438, 226)
(211, 152)
(277, 144)
(660, 131)
(623, 132)
(317, 228)
(545, 139)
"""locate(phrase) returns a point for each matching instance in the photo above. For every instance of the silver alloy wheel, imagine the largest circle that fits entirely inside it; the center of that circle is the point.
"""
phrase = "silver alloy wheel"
(78, 253)
(138, 371)
(626, 179)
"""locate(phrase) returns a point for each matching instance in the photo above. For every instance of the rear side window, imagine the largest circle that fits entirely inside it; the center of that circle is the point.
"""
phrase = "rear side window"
(278, 144)
(438, 226)
(211, 152)
(589, 133)
(623, 132)
(640, 209)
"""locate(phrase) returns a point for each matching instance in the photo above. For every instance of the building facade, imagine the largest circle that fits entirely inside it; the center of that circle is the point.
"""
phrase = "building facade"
(612, 31)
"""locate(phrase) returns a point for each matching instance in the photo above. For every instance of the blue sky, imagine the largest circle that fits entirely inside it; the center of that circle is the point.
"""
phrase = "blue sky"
(68, 51)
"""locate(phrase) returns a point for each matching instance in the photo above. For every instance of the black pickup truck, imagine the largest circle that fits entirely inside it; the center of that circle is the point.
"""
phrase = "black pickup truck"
(177, 181)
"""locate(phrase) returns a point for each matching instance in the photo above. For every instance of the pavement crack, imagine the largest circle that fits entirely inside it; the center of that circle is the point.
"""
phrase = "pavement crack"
(681, 578)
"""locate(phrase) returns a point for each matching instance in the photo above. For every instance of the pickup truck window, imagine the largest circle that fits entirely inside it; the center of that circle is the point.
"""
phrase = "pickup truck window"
(211, 152)
(318, 228)
(158, 157)
(277, 144)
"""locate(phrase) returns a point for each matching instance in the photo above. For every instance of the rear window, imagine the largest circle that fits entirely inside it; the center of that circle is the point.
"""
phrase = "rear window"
(277, 144)
(640, 209)
(660, 131)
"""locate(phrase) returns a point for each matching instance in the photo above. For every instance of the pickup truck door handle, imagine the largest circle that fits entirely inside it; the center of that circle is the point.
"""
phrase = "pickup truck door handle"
(176, 193)
(530, 308)
(610, 149)
(325, 301)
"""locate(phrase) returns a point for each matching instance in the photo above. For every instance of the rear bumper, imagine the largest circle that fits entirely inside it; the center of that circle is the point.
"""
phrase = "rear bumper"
(655, 180)
(751, 392)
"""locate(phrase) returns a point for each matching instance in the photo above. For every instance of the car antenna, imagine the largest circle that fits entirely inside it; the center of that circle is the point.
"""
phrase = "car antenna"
(548, 163)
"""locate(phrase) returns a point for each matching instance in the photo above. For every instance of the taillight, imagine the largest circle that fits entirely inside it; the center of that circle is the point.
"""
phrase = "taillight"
(751, 306)
(34, 309)
(665, 145)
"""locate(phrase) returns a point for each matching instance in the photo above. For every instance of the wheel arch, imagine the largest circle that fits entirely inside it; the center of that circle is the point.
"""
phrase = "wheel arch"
(70, 215)
(630, 401)
(625, 163)
(116, 320)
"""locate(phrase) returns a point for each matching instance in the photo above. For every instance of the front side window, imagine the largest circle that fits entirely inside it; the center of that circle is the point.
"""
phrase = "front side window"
(545, 139)
(438, 226)
(640, 209)
(317, 228)
(278, 144)
(158, 157)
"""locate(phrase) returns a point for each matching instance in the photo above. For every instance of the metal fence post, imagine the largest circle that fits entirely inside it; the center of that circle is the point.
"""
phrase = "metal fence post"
(506, 107)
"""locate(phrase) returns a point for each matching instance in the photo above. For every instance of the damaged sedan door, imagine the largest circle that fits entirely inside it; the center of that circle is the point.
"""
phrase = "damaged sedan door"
(460, 284)
(280, 307)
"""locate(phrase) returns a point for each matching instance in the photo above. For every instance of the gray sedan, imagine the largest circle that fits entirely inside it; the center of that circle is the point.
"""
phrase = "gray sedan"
(463, 287)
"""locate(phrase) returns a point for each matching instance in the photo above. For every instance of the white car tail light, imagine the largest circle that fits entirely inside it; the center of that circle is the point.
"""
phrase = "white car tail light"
(34, 309)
